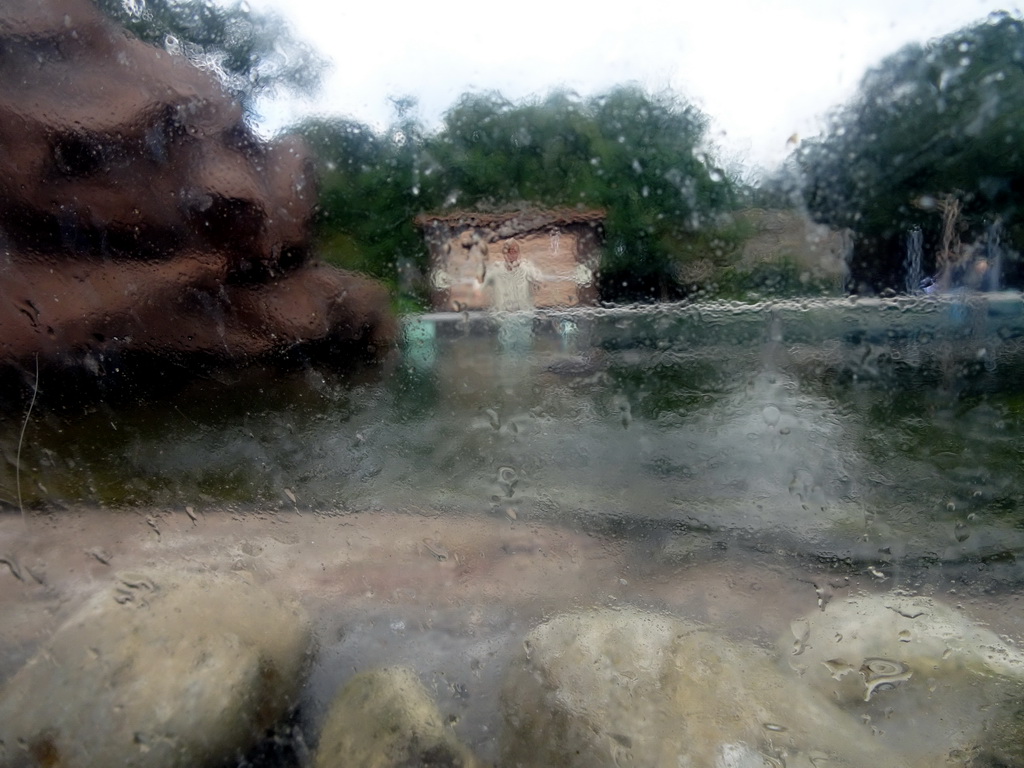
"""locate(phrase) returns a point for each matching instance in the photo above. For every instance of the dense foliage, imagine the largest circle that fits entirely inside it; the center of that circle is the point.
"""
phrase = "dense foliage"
(253, 53)
(642, 157)
(369, 195)
(932, 122)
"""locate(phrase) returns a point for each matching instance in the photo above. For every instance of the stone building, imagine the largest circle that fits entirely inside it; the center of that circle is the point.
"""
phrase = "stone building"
(564, 245)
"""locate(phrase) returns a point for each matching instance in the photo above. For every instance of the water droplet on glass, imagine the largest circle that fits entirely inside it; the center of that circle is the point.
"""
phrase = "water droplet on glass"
(492, 418)
(100, 554)
(838, 668)
(436, 549)
(507, 479)
(621, 404)
(883, 675)
(801, 630)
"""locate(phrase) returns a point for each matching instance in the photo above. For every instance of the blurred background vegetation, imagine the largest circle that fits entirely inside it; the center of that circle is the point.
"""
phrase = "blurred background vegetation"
(933, 122)
(254, 54)
(640, 156)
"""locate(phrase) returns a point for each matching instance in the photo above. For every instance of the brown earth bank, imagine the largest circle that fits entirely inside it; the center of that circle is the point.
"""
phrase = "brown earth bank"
(140, 217)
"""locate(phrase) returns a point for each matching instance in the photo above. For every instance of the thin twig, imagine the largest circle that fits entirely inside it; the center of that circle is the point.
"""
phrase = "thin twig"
(21, 438)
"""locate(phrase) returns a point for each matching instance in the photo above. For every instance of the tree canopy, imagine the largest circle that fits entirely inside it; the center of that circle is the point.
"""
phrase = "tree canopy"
(369, 196)
(643, 157)
(942, 120)
(253, 53)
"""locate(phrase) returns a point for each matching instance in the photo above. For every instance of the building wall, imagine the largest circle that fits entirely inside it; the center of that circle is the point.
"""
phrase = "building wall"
(461, 254)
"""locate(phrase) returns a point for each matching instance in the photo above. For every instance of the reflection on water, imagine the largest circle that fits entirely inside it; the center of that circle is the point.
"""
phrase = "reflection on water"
(737, 466)
(761, 423)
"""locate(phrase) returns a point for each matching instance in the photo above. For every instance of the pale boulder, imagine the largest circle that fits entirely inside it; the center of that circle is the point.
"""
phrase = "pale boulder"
(158, 670)
(918, 670)
(630, 688)
(385, 718)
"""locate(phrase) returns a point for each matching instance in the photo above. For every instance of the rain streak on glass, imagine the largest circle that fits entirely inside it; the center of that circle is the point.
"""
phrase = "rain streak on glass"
(520, 424)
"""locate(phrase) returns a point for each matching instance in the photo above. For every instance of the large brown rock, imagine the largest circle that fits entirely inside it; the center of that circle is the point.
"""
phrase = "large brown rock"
(139, 213)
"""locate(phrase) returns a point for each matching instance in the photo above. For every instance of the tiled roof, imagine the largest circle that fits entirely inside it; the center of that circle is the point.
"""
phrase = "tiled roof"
(522, 220)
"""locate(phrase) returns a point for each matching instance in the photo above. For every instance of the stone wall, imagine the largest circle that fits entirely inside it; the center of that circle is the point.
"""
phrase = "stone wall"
(464, 246)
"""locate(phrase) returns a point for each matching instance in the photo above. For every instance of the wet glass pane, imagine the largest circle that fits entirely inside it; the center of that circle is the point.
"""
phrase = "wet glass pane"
(512, 387)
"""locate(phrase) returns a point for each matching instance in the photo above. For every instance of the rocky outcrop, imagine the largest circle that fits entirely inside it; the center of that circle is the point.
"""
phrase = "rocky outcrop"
(385, 718)
(626, 687)
(139, 213)
(158, 670)
(918, 668)
(874, 680)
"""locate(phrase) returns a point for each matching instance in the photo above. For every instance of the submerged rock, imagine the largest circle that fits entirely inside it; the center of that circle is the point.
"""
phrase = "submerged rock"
(159, 670)
(628, 688)
(384, 718)
(919, 670)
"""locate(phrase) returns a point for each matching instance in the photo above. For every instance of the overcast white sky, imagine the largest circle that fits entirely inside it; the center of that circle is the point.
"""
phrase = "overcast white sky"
(761, 69)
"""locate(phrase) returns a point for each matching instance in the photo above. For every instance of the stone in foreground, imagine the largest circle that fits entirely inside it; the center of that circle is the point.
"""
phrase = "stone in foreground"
(920, 671)
(629, 688)
(159, 670)
(384, 718)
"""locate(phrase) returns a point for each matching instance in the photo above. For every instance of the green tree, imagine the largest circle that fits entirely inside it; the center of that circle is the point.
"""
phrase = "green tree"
(662, 189)
(640, 156)
(369, 195)
(254, 53)
(946, 118)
